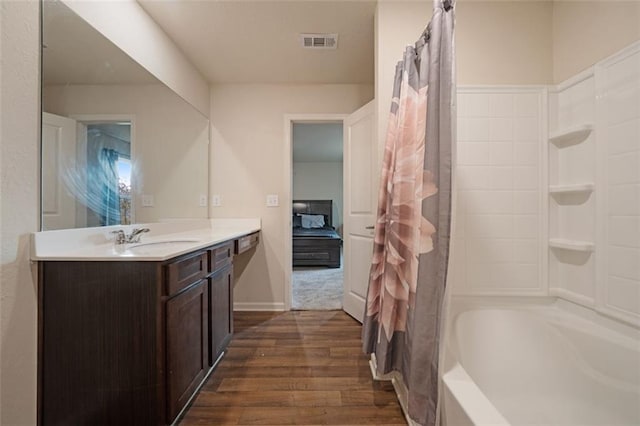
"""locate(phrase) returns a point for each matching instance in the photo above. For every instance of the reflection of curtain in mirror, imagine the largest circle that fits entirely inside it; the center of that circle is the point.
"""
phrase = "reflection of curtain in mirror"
(110, 206)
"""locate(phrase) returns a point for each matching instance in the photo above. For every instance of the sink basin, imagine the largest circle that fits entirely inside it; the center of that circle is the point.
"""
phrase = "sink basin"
(163, 243)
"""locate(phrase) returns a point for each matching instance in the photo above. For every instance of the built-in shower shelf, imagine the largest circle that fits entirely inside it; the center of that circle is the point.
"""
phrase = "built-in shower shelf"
(575, 245)
(578, 188)
(571, 135)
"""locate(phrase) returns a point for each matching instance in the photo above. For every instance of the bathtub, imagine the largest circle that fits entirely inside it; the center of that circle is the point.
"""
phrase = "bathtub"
(540, 365)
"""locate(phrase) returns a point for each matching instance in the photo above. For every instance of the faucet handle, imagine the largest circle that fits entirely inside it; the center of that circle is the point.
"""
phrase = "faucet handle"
(120, 236)
(134, 237)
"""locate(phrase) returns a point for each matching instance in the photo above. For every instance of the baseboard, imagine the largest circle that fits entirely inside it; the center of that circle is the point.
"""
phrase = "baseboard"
(398, 385)
(250, 306)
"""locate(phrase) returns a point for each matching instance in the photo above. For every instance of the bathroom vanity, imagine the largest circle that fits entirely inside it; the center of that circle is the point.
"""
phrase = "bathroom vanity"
(127, 335)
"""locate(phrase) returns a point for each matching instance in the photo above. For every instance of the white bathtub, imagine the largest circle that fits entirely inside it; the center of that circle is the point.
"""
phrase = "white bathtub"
(540, 365)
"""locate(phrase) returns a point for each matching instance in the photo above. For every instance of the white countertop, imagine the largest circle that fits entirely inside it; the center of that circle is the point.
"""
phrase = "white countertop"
(165, 240)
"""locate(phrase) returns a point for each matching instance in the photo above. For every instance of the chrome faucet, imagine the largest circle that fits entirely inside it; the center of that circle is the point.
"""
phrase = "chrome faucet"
(134, 237)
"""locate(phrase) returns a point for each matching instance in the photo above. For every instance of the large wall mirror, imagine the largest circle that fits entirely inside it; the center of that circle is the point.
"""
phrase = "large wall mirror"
(118, 146)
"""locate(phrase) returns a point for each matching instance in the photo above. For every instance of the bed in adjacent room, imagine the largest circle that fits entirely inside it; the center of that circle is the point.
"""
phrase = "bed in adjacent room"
(315, 240)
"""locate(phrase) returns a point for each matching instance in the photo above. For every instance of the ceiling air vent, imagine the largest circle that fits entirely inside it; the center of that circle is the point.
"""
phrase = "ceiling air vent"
(319, 41)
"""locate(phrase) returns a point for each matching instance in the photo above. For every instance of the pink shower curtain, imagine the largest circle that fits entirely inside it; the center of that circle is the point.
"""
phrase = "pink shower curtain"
(411, 247)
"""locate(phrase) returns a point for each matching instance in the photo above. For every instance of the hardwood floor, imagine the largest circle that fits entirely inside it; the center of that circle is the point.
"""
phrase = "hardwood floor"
(294, 368)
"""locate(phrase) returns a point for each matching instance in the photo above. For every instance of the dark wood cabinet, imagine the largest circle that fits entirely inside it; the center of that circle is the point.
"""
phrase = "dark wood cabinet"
(187, 345)
(130, 342)
(100, 350)
(220, 311)
(220, 299)
(247, 242)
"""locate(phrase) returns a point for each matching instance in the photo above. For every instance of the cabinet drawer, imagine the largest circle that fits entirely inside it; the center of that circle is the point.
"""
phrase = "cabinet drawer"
(220, 256)
(247, 242)
(186, 271)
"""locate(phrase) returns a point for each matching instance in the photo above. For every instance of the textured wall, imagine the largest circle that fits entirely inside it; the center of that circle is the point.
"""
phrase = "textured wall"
(249, 161)
(170, 148)
(585, 32)
(19, 70)
(130, 28)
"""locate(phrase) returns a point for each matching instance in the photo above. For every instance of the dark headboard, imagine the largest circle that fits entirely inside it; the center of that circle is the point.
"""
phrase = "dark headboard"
(324, 207)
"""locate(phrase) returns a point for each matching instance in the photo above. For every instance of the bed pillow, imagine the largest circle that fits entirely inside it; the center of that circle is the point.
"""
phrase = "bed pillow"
(312, 220)
(296, 221)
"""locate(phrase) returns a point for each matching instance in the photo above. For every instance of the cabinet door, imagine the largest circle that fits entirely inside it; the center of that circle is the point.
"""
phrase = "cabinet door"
(220, 311)
(187, 345)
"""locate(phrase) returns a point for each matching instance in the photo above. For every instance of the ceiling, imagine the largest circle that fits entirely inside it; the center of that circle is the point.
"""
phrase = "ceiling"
(317, 142)
(234, 41)
(76, 53)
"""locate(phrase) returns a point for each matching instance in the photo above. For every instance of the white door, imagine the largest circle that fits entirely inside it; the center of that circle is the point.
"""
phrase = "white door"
(360, 204)
(58, 165)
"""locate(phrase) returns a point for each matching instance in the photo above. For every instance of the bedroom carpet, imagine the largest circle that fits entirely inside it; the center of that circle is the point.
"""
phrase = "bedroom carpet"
(316, 288)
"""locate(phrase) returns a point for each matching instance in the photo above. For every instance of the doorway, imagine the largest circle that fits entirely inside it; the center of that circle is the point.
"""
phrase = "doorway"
(108, 178)
(360, 177)
(317, 215)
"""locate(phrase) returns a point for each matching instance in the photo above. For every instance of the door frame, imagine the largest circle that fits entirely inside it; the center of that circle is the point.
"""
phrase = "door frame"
(88, 119)
(287, 199)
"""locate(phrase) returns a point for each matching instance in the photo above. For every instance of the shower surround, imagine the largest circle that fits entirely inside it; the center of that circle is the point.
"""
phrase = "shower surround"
(546, 250)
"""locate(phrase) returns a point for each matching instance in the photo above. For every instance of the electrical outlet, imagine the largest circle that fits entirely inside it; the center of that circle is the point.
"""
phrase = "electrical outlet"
(203, 200)
(272, 200)
(216, 200)
(147, 200)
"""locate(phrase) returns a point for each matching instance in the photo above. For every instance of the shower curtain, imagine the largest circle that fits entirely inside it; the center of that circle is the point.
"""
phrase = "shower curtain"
(403, 317)
(110, 206)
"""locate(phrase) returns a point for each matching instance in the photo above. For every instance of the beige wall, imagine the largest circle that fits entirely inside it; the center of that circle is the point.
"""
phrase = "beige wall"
(249, 161)
(170, 148)
(396, 25)
(19, 170)
(504, 42)
(130, 28)
(585, 32)
(320, 181)
(499, 42)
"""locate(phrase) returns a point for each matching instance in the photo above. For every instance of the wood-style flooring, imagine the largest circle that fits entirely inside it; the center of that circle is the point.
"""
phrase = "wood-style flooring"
(294, 368)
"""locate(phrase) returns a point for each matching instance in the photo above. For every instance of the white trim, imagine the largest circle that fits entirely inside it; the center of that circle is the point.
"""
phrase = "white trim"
(623, 316)
(507, 292)
(251, 306)
(543, 181)
(399, 387)
(287, 199)
(534, 88)
(600, 217)
(576, 79)
(619, 55)
(572, 297)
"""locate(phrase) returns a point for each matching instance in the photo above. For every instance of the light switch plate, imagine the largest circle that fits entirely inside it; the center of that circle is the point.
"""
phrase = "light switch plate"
(202, 202)
(216, 200)
(272, 200)
(147, 200)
